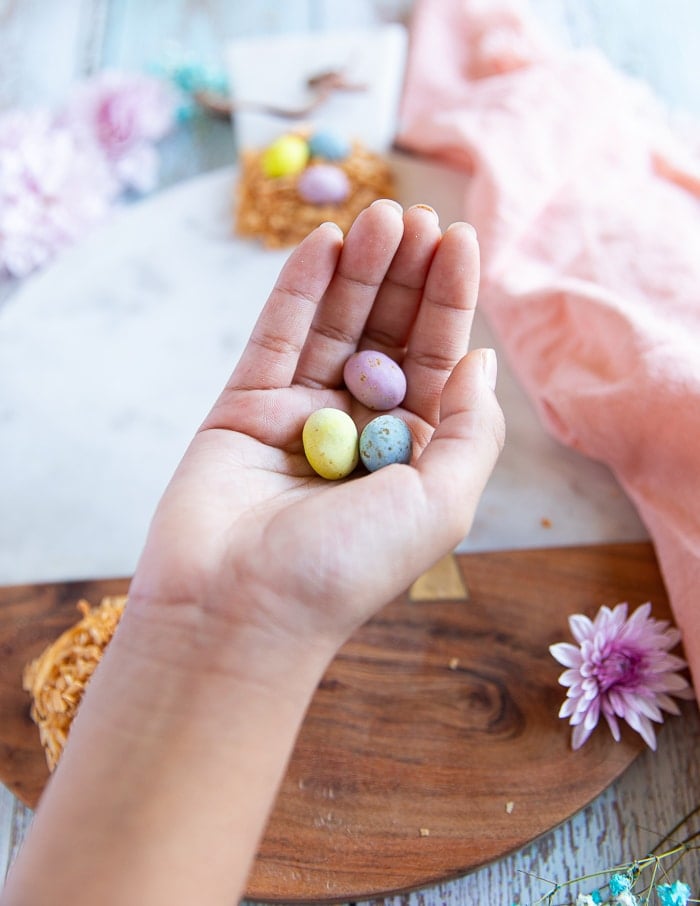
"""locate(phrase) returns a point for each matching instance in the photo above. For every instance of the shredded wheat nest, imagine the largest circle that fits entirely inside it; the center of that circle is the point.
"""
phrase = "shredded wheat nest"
(56, 680)
(272, 210)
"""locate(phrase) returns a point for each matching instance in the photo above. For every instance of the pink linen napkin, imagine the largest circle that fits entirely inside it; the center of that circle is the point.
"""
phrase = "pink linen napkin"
(587, 206)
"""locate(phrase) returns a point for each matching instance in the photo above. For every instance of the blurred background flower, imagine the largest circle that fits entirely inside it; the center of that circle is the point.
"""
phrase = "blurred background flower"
(125, 115)
(53, 187)
(61, 172)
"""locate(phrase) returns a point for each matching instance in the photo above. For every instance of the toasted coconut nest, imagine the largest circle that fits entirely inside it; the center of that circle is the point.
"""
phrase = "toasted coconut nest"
(271, 209)
(56, 680)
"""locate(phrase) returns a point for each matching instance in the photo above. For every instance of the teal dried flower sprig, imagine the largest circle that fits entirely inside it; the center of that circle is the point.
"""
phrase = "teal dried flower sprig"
(195, 82)
(643, 882)
(205, 89)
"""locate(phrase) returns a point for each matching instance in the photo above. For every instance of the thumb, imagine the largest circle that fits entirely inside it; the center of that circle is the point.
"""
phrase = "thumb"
(466, 444)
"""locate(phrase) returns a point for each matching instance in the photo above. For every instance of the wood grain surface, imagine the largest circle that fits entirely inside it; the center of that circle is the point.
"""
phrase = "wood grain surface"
(432, 744)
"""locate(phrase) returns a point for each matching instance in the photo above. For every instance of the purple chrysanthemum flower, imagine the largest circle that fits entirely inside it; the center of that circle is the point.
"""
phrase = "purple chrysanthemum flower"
(621, 668)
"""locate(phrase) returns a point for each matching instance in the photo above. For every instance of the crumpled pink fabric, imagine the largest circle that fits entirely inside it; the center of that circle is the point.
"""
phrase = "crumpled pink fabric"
(587, 206)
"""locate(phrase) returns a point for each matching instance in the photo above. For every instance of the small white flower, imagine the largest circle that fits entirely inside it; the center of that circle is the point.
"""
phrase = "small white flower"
(585, 899)
(626, 898)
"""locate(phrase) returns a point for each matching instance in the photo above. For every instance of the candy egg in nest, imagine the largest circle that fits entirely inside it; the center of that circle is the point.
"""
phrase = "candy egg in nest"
(323, 184)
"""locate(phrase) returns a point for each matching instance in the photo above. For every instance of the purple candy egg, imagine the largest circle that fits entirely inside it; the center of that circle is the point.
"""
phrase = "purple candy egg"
(323, 184)
(374, 379)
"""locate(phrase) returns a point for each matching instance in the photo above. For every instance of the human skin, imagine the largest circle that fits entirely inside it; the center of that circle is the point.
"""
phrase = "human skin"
(256, 570)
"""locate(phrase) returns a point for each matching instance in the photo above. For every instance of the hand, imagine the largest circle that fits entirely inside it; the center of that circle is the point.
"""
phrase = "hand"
(246, 530)
(255, 570)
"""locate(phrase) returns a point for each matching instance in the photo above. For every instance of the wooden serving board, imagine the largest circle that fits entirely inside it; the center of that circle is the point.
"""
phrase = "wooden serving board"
(432, 745)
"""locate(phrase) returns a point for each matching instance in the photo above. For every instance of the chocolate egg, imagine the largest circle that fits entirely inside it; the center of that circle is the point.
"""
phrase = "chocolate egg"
(329, 438)
(384, 441)
(323, 184)
(329, 145)
(374, 379)
(286, 156)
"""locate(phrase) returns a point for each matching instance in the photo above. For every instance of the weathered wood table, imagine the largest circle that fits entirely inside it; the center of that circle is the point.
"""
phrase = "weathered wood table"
(541, 496)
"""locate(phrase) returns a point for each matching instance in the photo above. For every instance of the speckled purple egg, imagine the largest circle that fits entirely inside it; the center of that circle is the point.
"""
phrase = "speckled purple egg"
(384, 441)
(323, 184)
(374, 380)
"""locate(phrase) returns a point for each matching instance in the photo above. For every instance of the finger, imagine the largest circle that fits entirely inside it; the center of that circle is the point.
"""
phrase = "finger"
(368, 251)
(467, 442)
(390, 321)
(271, 355)
(440, 335)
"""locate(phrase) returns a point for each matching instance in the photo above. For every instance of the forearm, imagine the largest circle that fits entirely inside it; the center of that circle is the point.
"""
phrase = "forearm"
(172, 767)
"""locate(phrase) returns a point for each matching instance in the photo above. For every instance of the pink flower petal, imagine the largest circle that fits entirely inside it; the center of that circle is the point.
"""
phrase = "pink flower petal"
(570, 678)
(592, 715)
(667, 704)
(647, 732)
(647, 708)
(567, 654)
(579, 735)
(568, 707)
(581, 627)
(614, 726)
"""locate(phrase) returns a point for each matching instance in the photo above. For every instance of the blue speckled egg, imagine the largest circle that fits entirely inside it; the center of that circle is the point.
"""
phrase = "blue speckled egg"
(323, 184)
(385, 440)
(329, 145)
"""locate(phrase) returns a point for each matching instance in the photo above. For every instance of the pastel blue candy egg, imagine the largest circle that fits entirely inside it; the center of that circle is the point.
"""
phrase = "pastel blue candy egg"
(323, 184)
(385, 440)
(329, 145)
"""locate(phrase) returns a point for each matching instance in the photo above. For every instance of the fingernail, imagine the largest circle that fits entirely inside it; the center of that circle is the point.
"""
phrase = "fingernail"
(489, 364)
(462, 225)
(426, 207)
(390, 201)
(332, 225)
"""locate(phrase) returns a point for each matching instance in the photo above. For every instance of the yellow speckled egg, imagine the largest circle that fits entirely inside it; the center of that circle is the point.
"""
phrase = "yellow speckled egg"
(330, 443)
(286, 156)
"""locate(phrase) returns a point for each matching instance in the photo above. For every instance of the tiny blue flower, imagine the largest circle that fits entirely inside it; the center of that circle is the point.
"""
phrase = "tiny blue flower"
(619, 884)
(596, 897)
(676, 894)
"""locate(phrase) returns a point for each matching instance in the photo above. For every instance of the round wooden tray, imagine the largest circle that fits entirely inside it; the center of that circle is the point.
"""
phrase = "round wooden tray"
(432, 745)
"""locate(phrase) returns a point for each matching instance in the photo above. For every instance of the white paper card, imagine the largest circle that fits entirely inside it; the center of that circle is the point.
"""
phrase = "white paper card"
(275, 70)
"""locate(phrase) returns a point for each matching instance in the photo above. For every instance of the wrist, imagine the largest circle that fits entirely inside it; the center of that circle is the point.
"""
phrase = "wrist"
(162, 647)
(173, 761)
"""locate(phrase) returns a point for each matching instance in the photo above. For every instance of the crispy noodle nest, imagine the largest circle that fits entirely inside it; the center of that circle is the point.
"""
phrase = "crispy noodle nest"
(271, 209)
(56, 680)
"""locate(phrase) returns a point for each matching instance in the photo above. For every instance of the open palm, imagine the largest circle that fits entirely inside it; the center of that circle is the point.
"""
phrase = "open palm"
(246, 529)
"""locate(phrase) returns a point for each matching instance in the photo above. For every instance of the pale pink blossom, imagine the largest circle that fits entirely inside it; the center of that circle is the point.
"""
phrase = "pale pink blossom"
(125, 114)
(621, 668)
(53, 188)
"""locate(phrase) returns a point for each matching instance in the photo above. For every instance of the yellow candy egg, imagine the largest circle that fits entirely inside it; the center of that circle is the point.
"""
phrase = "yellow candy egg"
(286, 156)
(330, 443)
